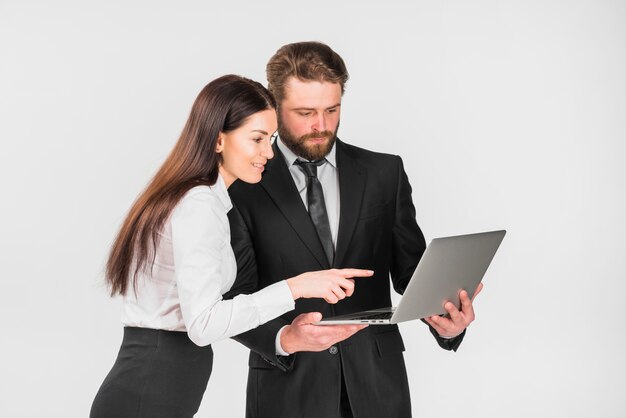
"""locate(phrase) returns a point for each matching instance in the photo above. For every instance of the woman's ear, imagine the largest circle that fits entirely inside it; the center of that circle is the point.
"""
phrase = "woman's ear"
(219, 147)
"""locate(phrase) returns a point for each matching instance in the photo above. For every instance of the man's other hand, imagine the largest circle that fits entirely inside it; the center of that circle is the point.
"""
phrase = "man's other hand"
(458, 319)
(302, 335)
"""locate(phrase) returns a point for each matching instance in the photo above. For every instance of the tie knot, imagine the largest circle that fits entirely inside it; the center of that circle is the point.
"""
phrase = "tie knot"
(309, 168)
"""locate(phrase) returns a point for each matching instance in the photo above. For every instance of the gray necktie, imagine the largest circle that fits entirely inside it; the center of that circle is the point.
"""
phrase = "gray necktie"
(317, 205)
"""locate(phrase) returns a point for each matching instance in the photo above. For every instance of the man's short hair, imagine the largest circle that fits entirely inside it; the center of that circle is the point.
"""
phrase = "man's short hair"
(306, 61)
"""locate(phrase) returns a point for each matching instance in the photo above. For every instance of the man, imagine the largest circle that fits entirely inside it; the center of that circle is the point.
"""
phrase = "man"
(323, 203)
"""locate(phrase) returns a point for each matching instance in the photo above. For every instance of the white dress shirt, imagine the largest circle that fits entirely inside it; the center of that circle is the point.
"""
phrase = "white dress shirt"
(328, 176)
(194, 266)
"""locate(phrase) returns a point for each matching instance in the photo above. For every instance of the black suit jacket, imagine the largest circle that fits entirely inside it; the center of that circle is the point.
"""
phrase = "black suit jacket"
(273, 239)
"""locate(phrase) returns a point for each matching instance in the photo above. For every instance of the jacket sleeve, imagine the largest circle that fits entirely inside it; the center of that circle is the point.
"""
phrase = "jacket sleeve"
(262, 339)
(408, 246)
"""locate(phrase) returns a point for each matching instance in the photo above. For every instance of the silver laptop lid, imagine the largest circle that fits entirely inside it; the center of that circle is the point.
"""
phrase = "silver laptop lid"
(448, 265)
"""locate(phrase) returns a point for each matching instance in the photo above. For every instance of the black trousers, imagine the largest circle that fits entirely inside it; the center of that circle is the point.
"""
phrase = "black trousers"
(157, 374)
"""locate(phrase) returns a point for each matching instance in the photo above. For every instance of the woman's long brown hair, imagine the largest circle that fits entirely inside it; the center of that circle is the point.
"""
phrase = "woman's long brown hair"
(223, 105)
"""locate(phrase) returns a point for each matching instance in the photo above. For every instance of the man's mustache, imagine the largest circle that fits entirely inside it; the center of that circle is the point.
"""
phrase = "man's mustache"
(320, 134)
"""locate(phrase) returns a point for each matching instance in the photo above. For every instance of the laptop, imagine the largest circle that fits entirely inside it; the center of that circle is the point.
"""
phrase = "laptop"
(448, 265)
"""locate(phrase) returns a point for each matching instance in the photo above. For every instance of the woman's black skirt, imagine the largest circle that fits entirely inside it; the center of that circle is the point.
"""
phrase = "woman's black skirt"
(157, 374)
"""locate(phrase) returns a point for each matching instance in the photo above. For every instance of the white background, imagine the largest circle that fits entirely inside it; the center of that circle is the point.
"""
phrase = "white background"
(508, 114)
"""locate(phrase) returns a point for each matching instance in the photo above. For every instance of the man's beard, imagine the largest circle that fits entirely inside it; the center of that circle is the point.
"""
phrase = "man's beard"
(299, 146)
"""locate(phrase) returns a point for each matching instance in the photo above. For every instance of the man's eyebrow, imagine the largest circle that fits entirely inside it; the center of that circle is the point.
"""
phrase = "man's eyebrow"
(312, 108)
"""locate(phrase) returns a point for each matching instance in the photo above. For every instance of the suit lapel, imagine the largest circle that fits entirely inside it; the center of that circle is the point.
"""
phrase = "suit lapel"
(279, 184)
(352, 178)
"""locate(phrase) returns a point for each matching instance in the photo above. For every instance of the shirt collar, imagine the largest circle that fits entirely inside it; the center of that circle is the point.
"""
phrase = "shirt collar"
(219, 188)
(291, 157)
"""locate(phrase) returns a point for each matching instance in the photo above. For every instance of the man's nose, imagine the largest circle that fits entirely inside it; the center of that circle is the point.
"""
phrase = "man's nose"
(320, 123)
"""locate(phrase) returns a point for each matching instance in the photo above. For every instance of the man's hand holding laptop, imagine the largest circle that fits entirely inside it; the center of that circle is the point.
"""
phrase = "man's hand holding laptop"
(453, 324)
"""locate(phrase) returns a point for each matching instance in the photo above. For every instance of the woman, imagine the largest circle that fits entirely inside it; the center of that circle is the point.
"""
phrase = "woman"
(172, 259)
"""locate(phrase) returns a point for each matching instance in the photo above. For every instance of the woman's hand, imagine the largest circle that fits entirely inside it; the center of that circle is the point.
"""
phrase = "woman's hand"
(331, 285)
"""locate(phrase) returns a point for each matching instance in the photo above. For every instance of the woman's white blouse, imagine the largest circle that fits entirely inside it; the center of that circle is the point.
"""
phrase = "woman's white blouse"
(194, 266)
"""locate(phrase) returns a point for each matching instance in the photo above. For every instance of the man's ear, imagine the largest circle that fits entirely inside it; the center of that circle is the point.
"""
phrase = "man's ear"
(219, 147)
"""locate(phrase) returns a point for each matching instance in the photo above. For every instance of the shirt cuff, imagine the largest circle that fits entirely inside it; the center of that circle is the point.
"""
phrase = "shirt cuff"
(273, 301)
(279, 348)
